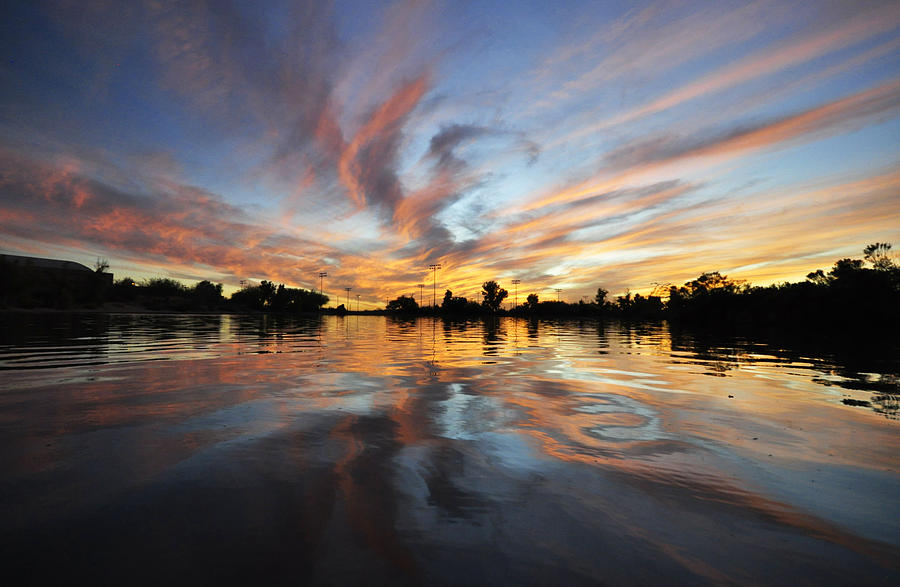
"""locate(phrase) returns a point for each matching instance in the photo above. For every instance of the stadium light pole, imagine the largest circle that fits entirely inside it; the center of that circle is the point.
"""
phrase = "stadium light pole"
(557, 294)
(434, 269)
(347, 289)
(516, 283)
(322, 275)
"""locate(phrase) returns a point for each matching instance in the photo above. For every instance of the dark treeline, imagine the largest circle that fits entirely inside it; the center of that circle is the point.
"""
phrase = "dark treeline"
(23, 287)
(168, 294)
(268, 297)
(860, 294)
(162, 293)
(853, 294)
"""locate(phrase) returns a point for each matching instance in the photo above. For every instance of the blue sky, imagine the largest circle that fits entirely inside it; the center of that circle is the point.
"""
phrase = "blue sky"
(598, 144)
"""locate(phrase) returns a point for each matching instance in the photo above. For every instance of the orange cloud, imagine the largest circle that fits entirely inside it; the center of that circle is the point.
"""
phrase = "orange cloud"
(378, 134)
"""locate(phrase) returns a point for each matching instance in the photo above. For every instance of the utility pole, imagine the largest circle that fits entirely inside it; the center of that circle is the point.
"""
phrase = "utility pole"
(434, 269)
(421, 299)
(347, 289)
(322, 275)
(516, 283)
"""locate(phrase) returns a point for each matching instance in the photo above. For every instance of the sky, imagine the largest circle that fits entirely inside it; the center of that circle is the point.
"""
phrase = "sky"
(569, 145)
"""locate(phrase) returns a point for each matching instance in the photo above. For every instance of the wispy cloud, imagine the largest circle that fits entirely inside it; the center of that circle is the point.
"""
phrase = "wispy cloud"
(607, 147)
(837, 116)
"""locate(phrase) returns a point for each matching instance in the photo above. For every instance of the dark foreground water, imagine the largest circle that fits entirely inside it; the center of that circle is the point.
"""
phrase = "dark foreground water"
(365, 450)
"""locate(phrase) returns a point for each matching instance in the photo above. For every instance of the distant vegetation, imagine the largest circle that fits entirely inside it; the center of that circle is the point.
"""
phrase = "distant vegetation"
(162, 293)
(854, 293)
(23, 287)
(269, 297)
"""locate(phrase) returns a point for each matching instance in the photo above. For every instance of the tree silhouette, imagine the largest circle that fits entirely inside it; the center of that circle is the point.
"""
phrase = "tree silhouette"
(268, 296)
(600, 298)
(493, 295)
(879, 255)
(207, 294)
(405, 304)
(818, 277)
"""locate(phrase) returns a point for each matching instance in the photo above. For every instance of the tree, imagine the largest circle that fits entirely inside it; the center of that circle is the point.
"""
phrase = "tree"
(493, 295)
(455, 304)
(845, 269)
(879, 255)
(267, 291)
(403, 304)
(600, 298)
(531, 302)
(267, 296)
(713, 281)
(207, 294)
(818, 277)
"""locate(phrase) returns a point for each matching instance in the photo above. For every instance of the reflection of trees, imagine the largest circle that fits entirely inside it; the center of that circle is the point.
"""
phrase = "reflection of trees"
(855, 364)
(719, 354)
(60, 330)
(493, 336)
(887, 404)
(533, 328)
(602, 338)
(277, 332)
(885, 388)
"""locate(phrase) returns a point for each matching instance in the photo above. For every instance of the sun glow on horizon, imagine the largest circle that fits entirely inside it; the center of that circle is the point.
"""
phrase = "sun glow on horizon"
(584, 146)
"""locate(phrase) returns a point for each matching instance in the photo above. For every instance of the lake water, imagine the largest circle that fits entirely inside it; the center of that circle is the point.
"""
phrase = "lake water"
(364, 449)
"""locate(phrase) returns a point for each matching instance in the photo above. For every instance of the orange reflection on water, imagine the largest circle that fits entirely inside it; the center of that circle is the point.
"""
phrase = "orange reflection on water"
(394, 441)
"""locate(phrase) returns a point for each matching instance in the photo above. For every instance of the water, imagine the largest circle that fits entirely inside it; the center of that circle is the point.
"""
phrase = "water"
(209, 449)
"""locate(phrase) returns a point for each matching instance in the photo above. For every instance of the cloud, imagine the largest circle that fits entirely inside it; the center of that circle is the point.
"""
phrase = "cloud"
(166, 223)
(277, 143)
(837, 116)
(648, 42)
(856, 26)
(367, 164)
(449, 138)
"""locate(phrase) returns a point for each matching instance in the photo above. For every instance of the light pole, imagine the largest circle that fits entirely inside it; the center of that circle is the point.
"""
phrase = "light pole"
(322, 275)
(347, 289)
(516, 283)
(434, 269)
(557, 294)
(357, 302)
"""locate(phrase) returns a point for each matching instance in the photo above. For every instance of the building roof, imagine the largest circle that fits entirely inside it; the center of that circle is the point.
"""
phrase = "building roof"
(42, 263)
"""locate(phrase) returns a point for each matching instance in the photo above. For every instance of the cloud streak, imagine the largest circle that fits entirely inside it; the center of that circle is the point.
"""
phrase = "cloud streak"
(610, 147)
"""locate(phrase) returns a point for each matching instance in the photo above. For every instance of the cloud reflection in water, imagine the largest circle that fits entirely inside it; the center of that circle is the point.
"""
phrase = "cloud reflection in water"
(366, 449)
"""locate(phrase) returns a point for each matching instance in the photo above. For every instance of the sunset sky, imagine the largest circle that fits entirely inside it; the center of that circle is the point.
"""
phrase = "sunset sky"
(569, 145)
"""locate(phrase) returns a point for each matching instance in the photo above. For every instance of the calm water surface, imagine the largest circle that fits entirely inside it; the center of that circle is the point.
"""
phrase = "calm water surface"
(211, 449)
